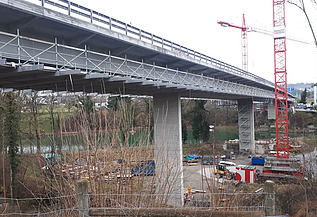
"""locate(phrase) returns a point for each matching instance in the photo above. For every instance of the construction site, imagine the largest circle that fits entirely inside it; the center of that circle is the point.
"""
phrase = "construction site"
(124, 180)
(101, 118)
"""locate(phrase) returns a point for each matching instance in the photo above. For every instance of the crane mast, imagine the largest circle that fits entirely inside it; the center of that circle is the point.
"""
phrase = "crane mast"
(282, 164)
(280, 80)
(244, 43)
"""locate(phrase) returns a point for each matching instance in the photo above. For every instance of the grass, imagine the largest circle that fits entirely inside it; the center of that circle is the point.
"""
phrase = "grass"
(222, 133)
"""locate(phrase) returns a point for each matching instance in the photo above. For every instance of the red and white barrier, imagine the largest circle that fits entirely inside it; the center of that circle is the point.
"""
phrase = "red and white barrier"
(246, 173)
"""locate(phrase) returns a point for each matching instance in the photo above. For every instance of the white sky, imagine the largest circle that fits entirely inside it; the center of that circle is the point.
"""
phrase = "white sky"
(193, 24)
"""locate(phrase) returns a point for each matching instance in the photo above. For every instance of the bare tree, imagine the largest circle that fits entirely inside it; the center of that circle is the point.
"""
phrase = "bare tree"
(34, 106)
(302, 6)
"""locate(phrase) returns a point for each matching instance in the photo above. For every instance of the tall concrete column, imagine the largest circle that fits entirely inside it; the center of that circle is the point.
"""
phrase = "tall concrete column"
(246, 125)
(168, 148)
(271, 111)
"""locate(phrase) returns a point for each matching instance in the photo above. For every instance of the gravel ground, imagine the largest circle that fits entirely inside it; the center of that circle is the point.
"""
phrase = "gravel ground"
(200, 176)
(197, 176)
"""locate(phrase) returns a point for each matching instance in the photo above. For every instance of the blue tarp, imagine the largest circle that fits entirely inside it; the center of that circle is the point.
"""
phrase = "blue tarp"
(192, 156)
(144, 168)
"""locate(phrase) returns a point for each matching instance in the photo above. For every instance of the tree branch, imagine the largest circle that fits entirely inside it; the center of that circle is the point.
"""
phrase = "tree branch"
(301, 6)
(293, 3)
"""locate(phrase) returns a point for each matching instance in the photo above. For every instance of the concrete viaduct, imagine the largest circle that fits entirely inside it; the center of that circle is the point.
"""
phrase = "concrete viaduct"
(61, 46)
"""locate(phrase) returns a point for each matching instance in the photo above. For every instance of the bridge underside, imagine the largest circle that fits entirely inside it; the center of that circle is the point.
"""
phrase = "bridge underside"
(29, 63)
(40, 77)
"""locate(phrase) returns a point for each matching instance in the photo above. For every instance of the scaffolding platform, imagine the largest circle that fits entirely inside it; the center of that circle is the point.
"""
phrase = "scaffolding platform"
(289, 166)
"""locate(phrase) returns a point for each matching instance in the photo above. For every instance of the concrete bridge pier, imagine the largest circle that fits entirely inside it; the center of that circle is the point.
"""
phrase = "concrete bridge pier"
(168, 148)
(271, 111)
(246, 125)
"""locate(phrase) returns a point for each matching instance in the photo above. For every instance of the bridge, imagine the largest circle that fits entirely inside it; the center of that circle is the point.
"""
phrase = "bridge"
(62, 46)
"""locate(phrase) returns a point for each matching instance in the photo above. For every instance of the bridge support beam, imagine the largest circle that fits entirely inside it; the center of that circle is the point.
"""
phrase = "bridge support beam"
(168, 148)
(246, 125)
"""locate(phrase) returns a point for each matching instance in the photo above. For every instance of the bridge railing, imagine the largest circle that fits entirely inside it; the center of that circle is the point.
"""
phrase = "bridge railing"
(25, 51)
(89, 15)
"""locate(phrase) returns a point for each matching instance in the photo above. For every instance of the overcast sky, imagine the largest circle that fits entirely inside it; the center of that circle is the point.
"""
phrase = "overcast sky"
(193, 24)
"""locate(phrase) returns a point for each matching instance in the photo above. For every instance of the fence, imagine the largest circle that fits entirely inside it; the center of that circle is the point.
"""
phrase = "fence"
(84, 204)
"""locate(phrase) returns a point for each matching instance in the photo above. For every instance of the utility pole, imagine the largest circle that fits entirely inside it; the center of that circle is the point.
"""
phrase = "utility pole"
(3, 168)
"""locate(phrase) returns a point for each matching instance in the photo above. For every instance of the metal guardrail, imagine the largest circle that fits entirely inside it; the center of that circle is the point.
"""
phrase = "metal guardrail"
(219, 204)
(81, 12)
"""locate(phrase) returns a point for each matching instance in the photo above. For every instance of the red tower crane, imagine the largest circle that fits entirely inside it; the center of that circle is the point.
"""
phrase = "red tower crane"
(282, 163)
(244, 38)
(280, 73)
(280, 80)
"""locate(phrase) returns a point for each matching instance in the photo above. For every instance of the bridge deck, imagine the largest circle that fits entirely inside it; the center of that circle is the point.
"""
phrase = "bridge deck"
(79, 27)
